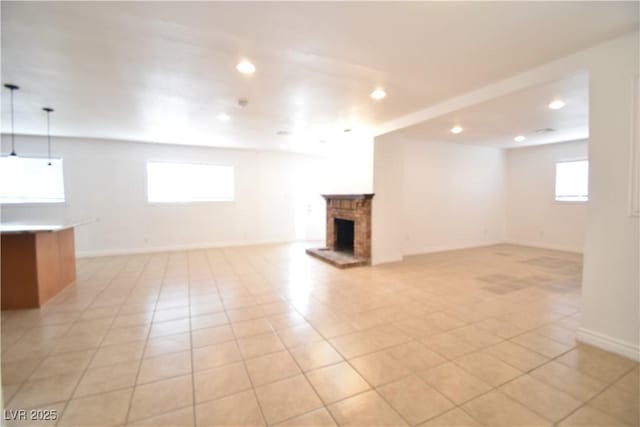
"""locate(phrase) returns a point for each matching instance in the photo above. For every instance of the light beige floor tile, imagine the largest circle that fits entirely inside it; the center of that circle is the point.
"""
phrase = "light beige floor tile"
(414, 399)
(487, 368)
(516, 356)
(454, 418)
(539, 344)
(496, 409)
(336, 382)
(630, 383)
(619, 404)
(111, 355)
(164, 366)
(108, 378)
(287, 399)
(572, 382)
(454, 382)
(379, 368)
(221, 381)
(208, 320)
(597, 363)
(500, 328)
(45, 391)
(541, 398)
(272, 367)
(252, 327)
(366, 409)
(168, 344)
(215, 355)
(169, 327)
(125, 335)
(240, 409)
(180, 418)
(209, 336)
(448, 345)
(356, 344)
(153, 399)
(476, 336)
(299, 335)
(415, 356)
(258, 345)
(18, 372)
(587, 416)
(317, 418)
(105, 409)
(316, 355)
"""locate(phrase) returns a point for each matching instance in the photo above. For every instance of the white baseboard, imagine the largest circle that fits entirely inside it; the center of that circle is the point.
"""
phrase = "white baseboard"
(545, 245)
(450, 247)
(157, 249)
(623, 348)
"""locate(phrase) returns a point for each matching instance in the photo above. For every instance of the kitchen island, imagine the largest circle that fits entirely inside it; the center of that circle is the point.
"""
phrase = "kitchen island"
(38, 261)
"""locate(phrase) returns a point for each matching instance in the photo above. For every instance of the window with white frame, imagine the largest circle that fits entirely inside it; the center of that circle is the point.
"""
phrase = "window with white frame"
(169, 182)
(572, 181)
(31, 180)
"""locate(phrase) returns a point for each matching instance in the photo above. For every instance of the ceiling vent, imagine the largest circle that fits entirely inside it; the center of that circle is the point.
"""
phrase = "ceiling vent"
(283, 132)
(544, 130)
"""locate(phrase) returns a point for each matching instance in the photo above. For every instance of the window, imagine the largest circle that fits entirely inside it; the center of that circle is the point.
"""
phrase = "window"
(189, 182)
(572, 181)
(31, 180)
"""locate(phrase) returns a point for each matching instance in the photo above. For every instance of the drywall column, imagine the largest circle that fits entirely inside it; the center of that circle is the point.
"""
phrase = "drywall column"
(610, 290)
(387, 231)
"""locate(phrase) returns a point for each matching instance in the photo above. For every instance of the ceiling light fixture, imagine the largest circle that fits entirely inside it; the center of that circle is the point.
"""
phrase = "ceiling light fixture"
(246, 67)
(556, 104)
(378, 94)
(12, 88)
(223, 117)
(519, 138)
(48, 111)
(456, 129)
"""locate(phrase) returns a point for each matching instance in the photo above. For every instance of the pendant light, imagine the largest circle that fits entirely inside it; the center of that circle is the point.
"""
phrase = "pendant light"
(12, 88)
(48, 111)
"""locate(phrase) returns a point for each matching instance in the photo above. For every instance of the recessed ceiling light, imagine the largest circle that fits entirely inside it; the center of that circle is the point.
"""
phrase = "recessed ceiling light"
(519, 138)
(246, 67)
(556, 104)
(378, 94)
(223, 117)
(456, 129)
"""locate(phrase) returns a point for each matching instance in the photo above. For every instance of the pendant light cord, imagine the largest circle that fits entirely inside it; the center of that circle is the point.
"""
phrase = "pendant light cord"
(12, 88)
(49, 135)
(13, 134)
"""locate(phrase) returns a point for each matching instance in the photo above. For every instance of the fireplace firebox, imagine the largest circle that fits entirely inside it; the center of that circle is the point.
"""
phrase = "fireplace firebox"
(344, 235)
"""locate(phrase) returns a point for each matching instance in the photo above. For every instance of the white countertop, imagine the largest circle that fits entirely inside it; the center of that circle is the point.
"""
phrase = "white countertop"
(36, 228)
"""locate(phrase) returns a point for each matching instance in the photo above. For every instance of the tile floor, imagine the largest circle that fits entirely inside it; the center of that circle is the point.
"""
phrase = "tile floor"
(268, 335)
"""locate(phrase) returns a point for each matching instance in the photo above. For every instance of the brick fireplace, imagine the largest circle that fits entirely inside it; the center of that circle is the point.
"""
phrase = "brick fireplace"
(348, 230)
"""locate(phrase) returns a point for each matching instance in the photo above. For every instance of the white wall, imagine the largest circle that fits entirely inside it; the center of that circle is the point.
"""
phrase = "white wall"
(534, 218)
(433, 196)
(106, 180)
(611, 277)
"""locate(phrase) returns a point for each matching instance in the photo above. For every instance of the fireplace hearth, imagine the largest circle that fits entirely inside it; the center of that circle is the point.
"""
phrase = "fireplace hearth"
(348, 241)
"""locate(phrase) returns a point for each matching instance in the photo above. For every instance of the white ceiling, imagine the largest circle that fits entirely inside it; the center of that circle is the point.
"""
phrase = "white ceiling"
(526, 112)
(162, 72)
